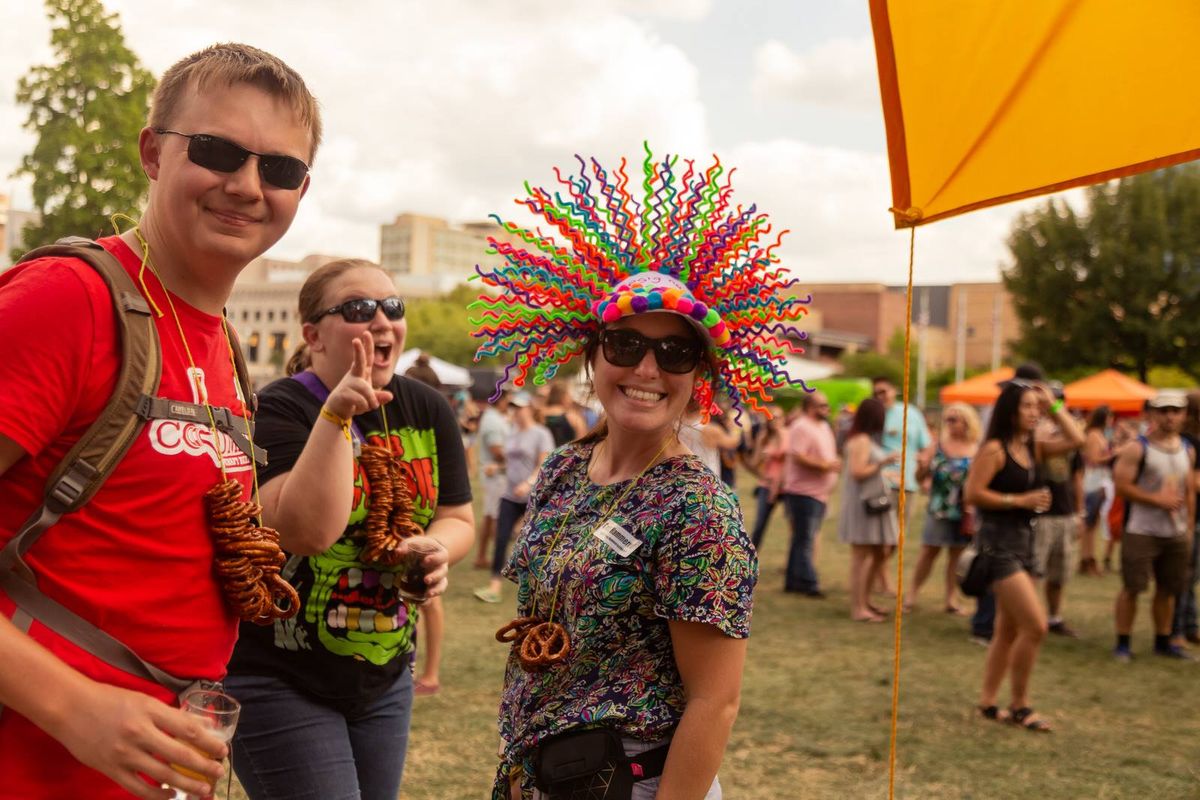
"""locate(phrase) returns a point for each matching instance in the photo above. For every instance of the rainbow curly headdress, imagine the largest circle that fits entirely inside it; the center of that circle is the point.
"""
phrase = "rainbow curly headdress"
(682, 249)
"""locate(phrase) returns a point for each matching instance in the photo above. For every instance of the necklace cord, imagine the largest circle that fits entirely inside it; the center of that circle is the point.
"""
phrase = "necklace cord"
(194, 374)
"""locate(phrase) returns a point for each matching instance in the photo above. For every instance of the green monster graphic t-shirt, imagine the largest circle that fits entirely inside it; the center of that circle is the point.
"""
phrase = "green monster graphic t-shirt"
(353, 634)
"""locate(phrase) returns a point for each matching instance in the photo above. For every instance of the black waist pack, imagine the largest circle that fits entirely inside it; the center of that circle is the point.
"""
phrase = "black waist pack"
(591, 765)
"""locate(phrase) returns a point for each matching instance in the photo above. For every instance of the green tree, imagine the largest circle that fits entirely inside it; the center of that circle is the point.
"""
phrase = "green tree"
(1116, 285)
(86, 109)
(439, 325)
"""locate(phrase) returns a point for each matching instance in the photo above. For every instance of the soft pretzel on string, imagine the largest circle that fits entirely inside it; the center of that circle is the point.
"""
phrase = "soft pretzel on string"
(515, 631)
(543, 645)
(389, 507)
(248, 558)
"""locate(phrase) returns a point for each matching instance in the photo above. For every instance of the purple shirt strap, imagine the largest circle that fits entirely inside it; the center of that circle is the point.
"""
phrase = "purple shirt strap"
(310, 381)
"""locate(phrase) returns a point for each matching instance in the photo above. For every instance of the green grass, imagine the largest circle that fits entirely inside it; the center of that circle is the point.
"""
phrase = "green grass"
(816, 702)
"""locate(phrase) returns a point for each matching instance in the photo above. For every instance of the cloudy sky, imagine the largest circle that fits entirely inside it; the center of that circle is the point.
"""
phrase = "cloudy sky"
(446, 107)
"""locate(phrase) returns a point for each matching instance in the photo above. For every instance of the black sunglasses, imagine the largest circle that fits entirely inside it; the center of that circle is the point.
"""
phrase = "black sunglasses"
(678, 355)
(364, 310)
(222, 155)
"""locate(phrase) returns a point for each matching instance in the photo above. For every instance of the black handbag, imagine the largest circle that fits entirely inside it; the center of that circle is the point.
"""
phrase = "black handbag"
(973, 573)
(591, 765)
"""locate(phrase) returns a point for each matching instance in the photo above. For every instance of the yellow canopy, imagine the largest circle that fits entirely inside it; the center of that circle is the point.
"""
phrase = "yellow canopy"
(987, 101)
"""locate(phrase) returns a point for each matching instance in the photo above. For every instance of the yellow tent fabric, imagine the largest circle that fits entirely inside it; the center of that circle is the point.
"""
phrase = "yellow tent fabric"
(996, 100)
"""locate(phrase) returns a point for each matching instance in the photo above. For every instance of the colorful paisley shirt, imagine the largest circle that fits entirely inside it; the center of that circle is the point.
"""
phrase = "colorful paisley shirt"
(353, 634)
(695, 564)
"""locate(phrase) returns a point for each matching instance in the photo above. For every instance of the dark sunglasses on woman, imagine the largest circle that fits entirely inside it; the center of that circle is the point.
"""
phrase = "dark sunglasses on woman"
(222, 155)
(678, 355)
(364, 310)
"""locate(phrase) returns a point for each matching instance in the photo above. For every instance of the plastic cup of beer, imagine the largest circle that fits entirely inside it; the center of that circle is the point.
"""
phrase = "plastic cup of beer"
(412, 572)
(221, 711)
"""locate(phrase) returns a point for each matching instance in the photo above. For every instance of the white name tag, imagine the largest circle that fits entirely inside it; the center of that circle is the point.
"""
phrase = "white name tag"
(620, 540)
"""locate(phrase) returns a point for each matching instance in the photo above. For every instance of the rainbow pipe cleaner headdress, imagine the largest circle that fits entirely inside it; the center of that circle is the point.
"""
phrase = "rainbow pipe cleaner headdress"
(682, 249)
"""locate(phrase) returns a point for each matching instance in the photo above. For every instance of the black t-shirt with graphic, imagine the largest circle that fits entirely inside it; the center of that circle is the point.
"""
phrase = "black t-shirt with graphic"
(353, 634)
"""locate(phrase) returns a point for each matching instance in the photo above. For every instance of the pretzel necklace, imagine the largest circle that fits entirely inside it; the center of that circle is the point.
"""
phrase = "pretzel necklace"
(390, 504)
(247, 558)
(540, 645)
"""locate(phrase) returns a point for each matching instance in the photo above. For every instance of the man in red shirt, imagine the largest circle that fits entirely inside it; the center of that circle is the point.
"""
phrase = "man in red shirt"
(231, 133)
(809, 474)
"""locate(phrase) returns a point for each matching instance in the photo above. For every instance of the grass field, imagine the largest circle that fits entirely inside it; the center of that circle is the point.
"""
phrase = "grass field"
(816, 702)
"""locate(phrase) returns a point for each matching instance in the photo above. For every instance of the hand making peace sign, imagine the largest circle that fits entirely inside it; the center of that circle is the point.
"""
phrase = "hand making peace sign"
(354, 393)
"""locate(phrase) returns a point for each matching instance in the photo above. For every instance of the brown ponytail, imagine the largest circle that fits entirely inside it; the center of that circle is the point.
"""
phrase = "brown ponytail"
(301, 360)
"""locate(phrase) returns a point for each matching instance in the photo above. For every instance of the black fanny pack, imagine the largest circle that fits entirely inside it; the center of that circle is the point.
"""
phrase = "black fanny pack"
(591, 765)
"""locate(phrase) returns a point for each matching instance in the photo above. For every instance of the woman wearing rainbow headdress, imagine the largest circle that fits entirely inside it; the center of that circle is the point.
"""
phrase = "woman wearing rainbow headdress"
(634, 572)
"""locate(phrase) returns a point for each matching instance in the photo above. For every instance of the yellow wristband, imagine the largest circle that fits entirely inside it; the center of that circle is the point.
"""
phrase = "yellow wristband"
(341, 422)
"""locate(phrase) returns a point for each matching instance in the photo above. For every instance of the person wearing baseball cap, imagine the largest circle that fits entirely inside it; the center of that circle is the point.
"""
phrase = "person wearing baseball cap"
(1156, 476)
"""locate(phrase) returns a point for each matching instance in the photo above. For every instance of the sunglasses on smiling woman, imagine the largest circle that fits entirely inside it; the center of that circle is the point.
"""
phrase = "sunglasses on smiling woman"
(364, 310)
(222, 155)
(678, 355)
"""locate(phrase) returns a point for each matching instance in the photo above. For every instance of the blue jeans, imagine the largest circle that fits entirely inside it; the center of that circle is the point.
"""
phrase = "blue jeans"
(506, 520)
(806, 514)
(984, 621)
(763, 515)
(1185, 604)
(291, 746)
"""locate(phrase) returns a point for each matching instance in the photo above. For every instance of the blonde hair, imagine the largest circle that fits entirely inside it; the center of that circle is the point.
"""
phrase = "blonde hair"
(312, 301)
(228, 64)
(969, 415)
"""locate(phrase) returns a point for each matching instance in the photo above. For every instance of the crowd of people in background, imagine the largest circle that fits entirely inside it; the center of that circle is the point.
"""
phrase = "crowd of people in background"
(1072, 495)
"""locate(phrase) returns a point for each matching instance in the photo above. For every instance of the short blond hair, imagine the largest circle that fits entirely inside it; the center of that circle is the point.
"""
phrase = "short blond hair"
(969, 415)
(230, 63)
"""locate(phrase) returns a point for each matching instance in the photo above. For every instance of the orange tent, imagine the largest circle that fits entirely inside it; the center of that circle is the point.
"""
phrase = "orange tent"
(1108, 388)
(982, 390)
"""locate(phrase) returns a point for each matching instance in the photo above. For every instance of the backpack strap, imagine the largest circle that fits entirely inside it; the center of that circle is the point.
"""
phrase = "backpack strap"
(89, 463)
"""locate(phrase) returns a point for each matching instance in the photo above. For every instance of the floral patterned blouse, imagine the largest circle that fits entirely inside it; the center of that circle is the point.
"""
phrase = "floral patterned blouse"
(947, 476)
(695, 563)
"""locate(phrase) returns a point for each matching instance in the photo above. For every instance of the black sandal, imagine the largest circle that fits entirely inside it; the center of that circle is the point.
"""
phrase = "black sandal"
(1021, 716)
(992, 713)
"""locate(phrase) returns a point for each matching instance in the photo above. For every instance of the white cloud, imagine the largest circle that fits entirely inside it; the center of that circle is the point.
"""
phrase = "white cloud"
(839, 73)
(688, 10)
(446, 108)
(440, 108)
(835, 203)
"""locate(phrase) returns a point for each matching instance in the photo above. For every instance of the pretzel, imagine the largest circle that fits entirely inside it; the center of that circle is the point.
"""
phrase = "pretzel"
(515, 631)
(390, 507)
(542, 646)
(248, 558)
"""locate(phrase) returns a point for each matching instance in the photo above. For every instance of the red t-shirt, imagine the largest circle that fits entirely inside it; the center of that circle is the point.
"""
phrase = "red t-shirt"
(137, 559)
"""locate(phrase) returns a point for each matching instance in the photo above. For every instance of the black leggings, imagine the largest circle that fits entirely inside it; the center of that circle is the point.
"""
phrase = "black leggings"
(506, 520)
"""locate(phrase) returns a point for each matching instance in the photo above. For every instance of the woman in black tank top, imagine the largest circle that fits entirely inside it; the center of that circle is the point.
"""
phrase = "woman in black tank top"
(1003, 484)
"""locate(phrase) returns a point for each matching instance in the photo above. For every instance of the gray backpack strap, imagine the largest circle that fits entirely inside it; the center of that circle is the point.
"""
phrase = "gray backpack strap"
(104, 444)
(77, 630)
(91, 461)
